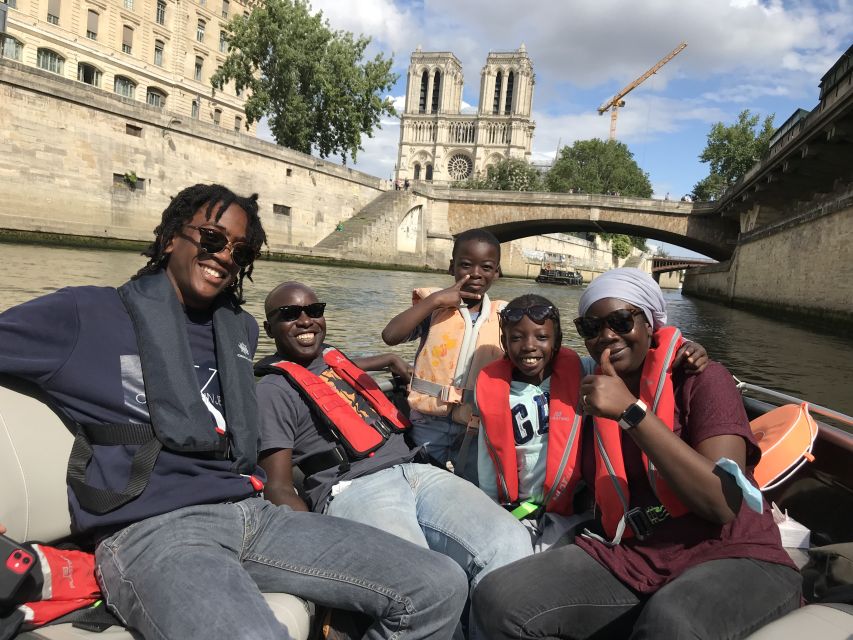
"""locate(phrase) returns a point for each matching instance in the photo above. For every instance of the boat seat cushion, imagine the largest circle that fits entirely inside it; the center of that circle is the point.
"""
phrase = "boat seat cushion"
(824, 621)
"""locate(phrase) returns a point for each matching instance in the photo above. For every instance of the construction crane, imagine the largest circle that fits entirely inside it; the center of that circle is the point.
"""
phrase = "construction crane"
(616, 101)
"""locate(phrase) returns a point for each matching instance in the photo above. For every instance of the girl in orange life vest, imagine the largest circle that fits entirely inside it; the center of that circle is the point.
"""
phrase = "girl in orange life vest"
(687, 548)
(458, 329)
(530, 429)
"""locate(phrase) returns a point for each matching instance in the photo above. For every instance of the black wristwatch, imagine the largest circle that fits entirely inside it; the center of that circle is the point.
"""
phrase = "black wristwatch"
(633, 415)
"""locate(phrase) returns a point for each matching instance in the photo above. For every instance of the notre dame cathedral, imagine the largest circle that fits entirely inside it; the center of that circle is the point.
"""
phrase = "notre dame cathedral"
(440, 143)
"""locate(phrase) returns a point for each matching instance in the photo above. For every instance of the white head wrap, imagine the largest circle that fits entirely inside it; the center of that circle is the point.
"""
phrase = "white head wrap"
(631, 285)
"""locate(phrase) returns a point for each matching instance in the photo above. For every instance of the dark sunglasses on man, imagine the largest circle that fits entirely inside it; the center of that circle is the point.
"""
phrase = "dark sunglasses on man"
(621, 321)
(539, 313)
(213, 241)
(291, 312)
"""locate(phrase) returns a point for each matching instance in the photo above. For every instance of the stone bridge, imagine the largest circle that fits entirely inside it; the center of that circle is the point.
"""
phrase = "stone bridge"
(512, 215)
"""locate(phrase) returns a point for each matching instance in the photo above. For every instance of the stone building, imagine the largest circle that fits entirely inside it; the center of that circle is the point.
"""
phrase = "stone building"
(159, 52)
(438, 141)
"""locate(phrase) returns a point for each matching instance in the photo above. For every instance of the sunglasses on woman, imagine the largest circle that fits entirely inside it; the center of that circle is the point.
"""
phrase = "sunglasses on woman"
(213, 241)
(291, 312)
(539, 313)
(620, 321)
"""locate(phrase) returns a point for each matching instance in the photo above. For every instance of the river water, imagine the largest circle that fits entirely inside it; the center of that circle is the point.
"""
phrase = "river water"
(769, 352)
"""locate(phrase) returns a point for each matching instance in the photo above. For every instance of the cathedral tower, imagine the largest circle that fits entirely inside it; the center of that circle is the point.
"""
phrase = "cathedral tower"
(439, 142)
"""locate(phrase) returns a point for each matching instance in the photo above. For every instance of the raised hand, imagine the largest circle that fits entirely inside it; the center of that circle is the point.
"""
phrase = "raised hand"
(605, 394)
(453, 296)
(692, 356)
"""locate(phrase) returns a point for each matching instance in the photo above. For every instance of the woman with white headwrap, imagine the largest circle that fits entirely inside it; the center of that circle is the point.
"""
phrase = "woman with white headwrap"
(683, 545)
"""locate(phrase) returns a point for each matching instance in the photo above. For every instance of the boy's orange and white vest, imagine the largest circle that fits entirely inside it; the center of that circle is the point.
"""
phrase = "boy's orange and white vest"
(611, 484)
(452, 356)
(562, 468)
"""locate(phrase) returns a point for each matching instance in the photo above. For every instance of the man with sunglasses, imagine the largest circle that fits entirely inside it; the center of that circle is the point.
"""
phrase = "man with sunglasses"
(321, 412)
(163, 477)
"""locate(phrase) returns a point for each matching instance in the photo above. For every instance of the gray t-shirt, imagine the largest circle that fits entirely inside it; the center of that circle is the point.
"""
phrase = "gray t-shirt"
(287, 422)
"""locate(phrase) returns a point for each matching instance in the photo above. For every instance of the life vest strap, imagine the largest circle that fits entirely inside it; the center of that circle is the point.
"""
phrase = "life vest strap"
(324, 460)
(445, 393)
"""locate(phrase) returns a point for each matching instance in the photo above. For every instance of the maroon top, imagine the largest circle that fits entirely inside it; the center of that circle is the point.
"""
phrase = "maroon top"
(706, 405)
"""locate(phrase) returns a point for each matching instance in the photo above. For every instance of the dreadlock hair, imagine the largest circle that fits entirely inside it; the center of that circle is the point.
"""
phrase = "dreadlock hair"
(184, 206)
(480, 235)
(531, 300)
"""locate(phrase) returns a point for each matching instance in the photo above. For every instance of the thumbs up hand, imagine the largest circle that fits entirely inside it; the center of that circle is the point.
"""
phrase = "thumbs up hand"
(605, 394)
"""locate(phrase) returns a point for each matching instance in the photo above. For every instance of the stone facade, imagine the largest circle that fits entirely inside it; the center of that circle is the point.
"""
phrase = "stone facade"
(440, 143)
(156, 52)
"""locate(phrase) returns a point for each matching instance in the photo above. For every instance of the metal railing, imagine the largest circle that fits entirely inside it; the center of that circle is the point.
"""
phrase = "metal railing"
(826, 412)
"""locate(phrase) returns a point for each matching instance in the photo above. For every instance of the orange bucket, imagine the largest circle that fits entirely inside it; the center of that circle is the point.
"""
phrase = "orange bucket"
(786, 436)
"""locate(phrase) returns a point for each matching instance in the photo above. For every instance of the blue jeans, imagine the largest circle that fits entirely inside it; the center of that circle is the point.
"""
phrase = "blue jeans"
(200, 572)
(435, 509)
(441, 439)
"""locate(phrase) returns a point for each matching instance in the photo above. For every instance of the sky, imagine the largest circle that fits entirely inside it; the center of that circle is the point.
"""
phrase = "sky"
(767, 57)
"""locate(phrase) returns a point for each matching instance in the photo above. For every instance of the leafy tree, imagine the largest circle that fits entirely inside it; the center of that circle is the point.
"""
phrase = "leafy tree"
(310, 81)
(731, 151)
(508, 174)
(596, 166)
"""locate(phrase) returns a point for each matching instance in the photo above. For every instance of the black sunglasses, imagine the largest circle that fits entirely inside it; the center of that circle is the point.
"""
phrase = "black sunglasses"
(539, 313)
(213, 241)
(291, 312)
(621, 321)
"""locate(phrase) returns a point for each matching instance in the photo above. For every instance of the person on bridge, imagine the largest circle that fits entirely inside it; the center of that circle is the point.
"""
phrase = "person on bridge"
(458, 329)
(322, 412)
(163, 478)
(684, 545)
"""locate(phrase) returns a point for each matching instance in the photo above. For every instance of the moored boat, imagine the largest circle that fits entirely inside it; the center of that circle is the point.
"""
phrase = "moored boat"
(559, 276)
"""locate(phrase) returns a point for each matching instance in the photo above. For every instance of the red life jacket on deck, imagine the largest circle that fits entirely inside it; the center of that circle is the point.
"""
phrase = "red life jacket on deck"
(358, 437)
(611, 484)
(562, 471)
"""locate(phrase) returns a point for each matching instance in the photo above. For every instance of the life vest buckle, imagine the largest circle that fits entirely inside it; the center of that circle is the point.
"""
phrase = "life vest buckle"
(451, 394)
(643, 520)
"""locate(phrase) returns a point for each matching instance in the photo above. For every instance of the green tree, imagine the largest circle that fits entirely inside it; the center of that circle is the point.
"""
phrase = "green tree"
(596, 166)
(508, 174)
(731, 151)
(310, 81)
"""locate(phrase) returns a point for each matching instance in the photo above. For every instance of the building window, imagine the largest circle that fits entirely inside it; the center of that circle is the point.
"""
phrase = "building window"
(53, 11)
(496, 103)
(129, 180)
(156, 98)
(50, 61)
(239, 91)
(124, 86)
(510, 85)
(423, 97)
(238, 123)
(199, 31)
(288, 172)
(92, 25)
(128, 4)
(160, 16)
(159, 45)
(133, 130)
(223, 42)
(281, 210)
(12, 49)
(217, 116)
(225, 9)
(127, 39)
(88, 74)
(199, 63)
(436, 91)
(12, 4)
(417, 172)
(195, 110)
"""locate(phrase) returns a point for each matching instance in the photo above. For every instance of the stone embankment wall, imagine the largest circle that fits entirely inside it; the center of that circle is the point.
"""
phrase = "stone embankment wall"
(803, 265)
(67, 147)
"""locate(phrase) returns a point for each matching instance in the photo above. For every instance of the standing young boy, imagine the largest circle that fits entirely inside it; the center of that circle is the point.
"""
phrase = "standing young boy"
(459, 332)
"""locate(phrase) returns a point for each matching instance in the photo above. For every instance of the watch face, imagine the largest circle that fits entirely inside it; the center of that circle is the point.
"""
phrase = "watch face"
(634, 415)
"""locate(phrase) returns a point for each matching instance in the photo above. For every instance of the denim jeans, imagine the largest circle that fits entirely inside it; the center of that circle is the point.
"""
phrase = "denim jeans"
(565, 593)
(200, 572)
(441, 439)
(436, 509)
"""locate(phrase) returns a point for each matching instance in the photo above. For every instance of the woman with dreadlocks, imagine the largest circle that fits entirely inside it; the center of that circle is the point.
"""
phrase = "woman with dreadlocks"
(163, 478)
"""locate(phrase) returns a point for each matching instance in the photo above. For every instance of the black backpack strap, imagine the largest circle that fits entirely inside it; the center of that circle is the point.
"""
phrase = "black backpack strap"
(95, 618)
(100, 501)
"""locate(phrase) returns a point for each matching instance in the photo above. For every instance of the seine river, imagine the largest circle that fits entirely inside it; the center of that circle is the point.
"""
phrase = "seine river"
(788, 357)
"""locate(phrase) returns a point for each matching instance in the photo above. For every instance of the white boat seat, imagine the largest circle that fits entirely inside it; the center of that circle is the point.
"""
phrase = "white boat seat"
(824, 621)
(34, 448)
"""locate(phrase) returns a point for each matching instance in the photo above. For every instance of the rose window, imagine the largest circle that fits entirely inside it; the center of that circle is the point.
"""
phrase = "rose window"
(460, 167)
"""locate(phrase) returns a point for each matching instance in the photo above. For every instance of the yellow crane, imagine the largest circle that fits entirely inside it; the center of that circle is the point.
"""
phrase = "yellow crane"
(616, 101)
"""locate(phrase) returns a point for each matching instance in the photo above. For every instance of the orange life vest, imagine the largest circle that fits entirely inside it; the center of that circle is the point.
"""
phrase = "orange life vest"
(454, 352)
(358, 437)
(562, 471)
(611, 484)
